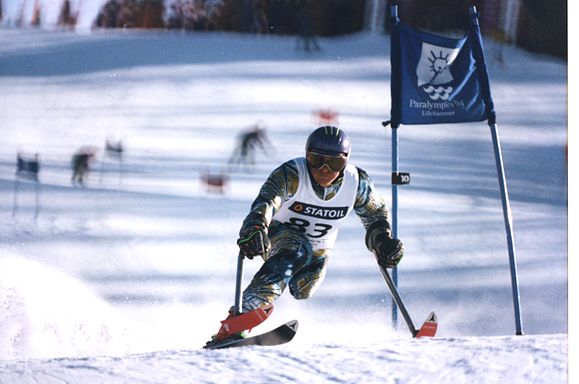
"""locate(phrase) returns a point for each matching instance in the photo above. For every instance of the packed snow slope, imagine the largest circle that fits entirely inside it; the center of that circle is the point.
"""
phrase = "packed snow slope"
(125, 279)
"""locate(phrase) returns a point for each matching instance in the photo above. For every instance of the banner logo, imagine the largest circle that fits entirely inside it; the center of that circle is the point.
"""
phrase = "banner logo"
(433, 70)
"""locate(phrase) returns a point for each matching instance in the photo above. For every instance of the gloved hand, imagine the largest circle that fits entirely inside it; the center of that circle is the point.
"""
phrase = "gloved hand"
(389, 251)
(379, 240)
(253, 241)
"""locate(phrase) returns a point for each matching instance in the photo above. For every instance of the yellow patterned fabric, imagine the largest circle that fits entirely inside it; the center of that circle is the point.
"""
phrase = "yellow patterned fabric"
(291, 260)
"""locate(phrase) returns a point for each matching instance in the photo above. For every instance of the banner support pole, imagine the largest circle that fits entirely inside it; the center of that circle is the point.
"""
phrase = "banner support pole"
(508, 218)
(492, 122)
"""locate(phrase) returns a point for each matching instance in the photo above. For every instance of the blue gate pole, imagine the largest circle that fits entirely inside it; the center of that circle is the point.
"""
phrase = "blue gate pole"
(508, 218)
(395, 90)
(394, 215)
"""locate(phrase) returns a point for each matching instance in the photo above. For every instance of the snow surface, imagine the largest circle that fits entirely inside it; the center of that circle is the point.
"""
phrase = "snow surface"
(124, 281)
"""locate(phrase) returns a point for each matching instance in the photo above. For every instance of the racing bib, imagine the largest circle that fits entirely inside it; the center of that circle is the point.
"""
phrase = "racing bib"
(319, 219)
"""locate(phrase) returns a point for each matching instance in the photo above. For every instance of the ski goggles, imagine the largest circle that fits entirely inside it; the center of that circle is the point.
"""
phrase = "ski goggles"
(334, 163)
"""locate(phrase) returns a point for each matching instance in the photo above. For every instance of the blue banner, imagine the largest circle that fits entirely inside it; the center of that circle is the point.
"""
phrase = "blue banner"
(436, 79)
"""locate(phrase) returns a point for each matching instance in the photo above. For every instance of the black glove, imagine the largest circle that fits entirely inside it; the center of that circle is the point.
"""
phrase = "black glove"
(389, 251)
(253, 241)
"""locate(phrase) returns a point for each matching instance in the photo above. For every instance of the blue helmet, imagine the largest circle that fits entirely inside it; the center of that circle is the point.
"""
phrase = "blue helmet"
(329, 140)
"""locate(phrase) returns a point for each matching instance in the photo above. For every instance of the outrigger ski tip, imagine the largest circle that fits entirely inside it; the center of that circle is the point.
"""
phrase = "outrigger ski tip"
(429, 327)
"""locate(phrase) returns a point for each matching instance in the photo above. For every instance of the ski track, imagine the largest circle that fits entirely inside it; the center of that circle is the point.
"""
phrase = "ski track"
(440, 360)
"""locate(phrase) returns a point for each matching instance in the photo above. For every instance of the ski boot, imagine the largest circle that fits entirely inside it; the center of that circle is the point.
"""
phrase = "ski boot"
(236, 325)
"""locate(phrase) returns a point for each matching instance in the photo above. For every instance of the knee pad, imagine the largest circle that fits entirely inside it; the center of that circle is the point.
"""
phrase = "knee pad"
(304, 287)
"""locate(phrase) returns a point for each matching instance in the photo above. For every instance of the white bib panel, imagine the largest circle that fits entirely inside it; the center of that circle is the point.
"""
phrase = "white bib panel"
(319, 219)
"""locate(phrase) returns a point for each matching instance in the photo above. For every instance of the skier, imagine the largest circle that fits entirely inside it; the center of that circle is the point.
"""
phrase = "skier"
(248, 141)
(80, 164)
(293, 223)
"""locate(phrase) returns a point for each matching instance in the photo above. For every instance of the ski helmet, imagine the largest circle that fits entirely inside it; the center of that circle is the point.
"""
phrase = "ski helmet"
(329, 140)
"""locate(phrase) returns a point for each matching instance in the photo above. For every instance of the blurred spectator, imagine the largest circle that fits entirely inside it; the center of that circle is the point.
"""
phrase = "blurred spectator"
(199, 15)
(175, 17)
(66, 17)
(306, 37)
(193, 15)
(36, 14)
(80, 163)
(260, 22)
(131, 14)
(153, 14)
(108, 15)
(247, 143)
